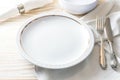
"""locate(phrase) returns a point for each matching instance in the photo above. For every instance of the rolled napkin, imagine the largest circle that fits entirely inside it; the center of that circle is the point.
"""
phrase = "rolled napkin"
(23, 8)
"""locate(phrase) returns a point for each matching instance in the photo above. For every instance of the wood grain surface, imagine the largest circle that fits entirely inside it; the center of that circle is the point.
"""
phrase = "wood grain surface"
(12, 65)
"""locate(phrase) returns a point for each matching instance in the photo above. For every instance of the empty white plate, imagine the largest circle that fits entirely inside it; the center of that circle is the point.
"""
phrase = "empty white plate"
(55, 41)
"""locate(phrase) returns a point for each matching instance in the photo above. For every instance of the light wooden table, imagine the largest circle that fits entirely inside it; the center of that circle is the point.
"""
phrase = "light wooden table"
(12, 65)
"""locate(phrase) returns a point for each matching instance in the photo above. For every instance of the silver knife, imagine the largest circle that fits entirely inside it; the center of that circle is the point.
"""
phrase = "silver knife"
(109, 33)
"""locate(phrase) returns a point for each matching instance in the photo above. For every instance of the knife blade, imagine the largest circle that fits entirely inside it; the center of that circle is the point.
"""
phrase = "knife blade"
(109, 30)
(110, 38)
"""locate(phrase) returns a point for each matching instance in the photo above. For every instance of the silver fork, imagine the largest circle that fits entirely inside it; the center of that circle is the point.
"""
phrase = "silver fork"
(100, 29)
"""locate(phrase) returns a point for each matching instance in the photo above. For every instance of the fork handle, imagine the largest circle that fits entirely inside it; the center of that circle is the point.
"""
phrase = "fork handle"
(102, 57)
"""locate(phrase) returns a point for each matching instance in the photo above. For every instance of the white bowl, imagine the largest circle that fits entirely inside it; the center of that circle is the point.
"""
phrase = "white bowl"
(78, 6)
(55, 41)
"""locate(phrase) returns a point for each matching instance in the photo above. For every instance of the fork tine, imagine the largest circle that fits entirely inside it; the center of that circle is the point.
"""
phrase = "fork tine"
(99, 27)
(97, 23)
(100, 23)
(103, 21)
(100, 19)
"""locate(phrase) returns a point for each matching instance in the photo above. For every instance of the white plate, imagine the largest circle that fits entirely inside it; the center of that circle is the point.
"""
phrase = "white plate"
(55, 41)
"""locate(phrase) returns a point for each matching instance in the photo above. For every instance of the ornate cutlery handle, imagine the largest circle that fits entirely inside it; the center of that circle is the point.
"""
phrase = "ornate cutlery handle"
(114, 61)
(102, 58)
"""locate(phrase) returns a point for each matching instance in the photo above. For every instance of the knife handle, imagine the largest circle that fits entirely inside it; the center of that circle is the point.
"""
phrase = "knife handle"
(102, 57)
(114, 61)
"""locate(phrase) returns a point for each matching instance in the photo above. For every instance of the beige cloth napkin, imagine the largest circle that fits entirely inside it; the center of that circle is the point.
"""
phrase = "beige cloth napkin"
(103, 10)
(115, 24)
(111, 10)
